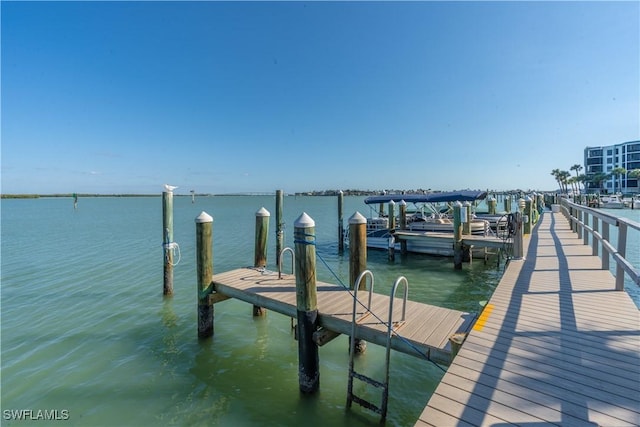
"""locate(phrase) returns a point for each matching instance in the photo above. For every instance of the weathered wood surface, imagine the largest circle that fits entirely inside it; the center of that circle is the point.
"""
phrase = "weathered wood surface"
(558, 346)
(427, 328)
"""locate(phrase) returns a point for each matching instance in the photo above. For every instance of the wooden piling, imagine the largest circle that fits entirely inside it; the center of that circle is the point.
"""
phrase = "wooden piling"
(340, 222)
(167, 241)
(260, 248)
(528, 215)
(507, 204)
(357, 260)
(465, 217)
(518, 243)
(279, 225)
(491, 204)
(204, 266)
(307, 303)
(392, 227)
(403, 225)
(457, 236)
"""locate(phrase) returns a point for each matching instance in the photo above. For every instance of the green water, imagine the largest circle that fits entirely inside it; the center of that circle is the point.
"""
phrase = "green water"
(85, 328)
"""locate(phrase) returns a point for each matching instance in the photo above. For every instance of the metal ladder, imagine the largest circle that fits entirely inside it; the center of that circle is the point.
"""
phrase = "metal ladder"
(384, 385)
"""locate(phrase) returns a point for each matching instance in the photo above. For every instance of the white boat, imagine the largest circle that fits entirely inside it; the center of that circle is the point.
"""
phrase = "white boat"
(611, 202)
(379, 235)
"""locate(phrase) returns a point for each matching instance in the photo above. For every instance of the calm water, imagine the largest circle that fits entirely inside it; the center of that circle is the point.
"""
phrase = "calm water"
(85, 328)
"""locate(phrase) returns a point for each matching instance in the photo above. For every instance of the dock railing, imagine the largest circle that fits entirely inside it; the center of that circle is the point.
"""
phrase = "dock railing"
(594, 223)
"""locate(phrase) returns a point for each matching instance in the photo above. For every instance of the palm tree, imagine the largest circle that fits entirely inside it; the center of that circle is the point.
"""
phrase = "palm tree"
(563, 176)
(635, 173)
(573, 181)
(617, 173)
(556, 175)
(598, 179)
(577, 167)
(582, 178)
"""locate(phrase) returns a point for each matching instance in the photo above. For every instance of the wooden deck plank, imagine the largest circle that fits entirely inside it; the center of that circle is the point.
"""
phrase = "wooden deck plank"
(572, 369)
(534, 396)
(560, 345)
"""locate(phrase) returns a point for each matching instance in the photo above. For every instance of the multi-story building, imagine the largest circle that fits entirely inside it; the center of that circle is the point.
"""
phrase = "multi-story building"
(603, 160)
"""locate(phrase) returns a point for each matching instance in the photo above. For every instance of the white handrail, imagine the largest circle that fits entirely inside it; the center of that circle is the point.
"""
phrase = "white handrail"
(578, 216)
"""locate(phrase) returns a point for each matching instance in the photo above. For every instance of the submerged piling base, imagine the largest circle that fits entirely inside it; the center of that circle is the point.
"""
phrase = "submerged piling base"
(308, 359)
(205, 320)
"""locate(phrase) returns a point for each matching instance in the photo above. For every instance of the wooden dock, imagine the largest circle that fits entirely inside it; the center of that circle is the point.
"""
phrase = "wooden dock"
(425, 332)
(556, 344)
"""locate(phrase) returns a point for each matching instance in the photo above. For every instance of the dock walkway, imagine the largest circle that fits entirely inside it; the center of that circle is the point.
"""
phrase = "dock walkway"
(556, 344)
(426, 329)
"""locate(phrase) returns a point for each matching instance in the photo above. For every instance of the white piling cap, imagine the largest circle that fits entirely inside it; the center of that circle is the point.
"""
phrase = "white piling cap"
(203, 217)
(263, 212)
(357, 218)
(392, 203)
(304, 221)
(402, 203)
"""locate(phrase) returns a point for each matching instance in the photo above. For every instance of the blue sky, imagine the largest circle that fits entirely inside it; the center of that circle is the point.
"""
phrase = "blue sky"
(220, 97)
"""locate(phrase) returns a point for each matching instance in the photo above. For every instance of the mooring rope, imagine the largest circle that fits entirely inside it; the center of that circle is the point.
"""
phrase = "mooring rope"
(172, 246)
(417, 350)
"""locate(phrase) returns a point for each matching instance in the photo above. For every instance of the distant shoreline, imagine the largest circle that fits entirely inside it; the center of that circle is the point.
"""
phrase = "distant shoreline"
(302, 193)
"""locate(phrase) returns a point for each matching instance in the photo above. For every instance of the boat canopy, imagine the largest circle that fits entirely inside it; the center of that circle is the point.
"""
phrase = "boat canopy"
(442, 197)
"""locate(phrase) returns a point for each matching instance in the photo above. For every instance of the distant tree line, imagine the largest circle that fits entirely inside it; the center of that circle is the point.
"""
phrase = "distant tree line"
(565, 178)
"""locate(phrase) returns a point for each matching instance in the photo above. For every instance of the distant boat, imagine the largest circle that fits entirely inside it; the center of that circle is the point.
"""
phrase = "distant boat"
(431, 214)
(611, 202)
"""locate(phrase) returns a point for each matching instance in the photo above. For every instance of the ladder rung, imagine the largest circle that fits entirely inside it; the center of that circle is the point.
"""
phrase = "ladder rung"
(368, 380)
(366, 404)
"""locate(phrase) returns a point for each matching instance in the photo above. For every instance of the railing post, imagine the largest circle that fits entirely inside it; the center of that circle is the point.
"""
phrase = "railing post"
(594, 241)
(357, 260)
(204, 266)
(579, 222)
(585, 222)
(622, 251)
(260, 248)
(167, 241)
(605, 253)
(307, 303)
